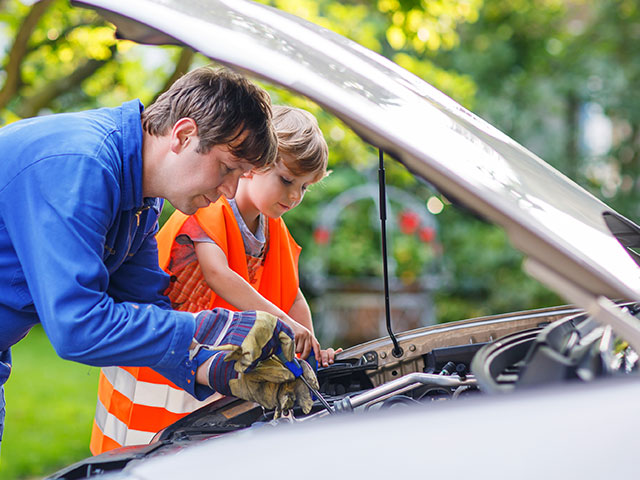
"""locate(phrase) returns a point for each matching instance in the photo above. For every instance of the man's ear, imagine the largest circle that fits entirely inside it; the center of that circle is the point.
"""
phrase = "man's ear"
(184, 132)
(248, 174)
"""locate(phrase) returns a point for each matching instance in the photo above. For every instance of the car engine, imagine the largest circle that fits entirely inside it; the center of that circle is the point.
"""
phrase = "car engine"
(488, 356)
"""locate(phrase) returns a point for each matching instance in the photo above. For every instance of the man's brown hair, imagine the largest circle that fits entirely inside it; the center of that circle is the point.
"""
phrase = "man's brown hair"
(227, 108)
(301, 140)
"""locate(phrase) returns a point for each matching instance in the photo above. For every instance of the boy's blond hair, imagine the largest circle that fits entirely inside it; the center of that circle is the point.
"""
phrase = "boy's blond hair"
(301, 140)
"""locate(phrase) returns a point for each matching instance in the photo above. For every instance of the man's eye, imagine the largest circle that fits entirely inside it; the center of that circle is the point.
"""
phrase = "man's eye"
(225, 169)
(285, 181)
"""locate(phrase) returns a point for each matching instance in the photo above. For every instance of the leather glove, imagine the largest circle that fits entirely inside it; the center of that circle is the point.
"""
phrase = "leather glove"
(270, 384)
(248, 337)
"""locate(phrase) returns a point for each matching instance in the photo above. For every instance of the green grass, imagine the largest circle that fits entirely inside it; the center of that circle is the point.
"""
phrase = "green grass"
(50, 408)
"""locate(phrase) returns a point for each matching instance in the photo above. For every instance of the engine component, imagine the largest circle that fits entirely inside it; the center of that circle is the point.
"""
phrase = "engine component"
(573, 348)
(396, 387)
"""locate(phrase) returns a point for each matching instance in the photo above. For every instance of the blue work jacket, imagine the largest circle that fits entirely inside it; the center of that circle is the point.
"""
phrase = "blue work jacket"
(77, 246)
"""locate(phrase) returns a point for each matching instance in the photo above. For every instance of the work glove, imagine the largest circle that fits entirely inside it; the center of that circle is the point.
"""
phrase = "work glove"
(247, 337)
(269, 383)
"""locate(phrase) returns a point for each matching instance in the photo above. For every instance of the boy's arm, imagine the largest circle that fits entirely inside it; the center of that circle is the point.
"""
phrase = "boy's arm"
(301, 313)
(238, 292)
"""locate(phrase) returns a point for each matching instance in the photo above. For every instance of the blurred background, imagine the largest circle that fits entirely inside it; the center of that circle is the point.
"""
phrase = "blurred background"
(560, 77)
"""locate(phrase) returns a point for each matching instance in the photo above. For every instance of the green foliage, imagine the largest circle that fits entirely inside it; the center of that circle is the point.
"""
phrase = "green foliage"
(406, 31)
(73, 62)
(487, 275)
(50, 408)
(538, 64)
(613, 78)
(353, 249)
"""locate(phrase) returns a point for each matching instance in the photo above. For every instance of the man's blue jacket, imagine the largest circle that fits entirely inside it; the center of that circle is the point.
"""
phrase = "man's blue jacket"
(77, 246)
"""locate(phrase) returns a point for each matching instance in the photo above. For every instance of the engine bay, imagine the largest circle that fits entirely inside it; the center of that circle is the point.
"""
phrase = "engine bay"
(478, 357)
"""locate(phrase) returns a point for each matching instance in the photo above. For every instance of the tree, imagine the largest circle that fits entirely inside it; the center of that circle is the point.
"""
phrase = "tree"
(541, 66)
(63, 58)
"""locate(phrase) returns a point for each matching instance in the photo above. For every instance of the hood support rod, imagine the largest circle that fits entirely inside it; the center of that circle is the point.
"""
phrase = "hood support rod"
(397, 350)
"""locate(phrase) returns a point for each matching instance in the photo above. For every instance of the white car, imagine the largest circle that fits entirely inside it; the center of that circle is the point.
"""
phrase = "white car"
(546, 393)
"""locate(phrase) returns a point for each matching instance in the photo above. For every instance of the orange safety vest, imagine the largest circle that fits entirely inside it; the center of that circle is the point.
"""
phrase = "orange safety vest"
(134, 403)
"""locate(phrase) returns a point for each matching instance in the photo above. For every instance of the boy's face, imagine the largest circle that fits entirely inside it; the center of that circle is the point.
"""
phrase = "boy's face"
(278, 190)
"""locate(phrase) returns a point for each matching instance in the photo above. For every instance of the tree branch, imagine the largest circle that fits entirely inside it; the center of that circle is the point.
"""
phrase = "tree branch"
(19, 50)
(182, 66)
(33, 104)
(35, 46)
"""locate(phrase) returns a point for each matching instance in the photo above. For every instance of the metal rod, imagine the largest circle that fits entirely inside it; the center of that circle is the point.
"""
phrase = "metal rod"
(413, 379)
(324, 403)
(397, 350)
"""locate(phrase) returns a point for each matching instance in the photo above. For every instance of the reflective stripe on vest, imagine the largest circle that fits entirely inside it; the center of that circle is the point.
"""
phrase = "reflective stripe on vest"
(131, 411)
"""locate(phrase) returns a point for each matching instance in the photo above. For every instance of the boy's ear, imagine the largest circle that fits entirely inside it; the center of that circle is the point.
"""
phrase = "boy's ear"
(248, 174)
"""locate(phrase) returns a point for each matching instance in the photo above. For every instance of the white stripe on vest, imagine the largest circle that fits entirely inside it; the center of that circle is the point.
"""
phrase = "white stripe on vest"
(152, 394)
(142, 393)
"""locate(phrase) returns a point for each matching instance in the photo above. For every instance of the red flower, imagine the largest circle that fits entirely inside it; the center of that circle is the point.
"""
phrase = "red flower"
(426, 234)
(408, 222)
(321, 236)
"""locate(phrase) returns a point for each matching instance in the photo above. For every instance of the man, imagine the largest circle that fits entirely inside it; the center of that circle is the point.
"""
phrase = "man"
(80, 196)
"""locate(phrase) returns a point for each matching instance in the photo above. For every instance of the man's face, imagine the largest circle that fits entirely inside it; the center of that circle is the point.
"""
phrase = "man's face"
(201, 178)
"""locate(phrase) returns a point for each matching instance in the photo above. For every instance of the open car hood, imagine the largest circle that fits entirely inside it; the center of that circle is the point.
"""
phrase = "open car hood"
(561, 228)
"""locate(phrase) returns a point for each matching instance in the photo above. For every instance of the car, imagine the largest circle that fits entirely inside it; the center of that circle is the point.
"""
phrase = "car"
(549, 392)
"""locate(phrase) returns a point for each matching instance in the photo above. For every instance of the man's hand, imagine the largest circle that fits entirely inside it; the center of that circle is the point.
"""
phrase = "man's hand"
(270, 383)
(248, 337)
(246, 366)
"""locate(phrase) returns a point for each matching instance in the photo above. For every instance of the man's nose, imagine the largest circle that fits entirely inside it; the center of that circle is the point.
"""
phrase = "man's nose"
(229, 186)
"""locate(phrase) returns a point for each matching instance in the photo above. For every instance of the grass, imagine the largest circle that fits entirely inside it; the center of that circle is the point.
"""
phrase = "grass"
(50, 408)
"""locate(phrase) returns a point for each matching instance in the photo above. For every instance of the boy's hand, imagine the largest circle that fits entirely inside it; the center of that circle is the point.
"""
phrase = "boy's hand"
(327, 357)
(305, 340)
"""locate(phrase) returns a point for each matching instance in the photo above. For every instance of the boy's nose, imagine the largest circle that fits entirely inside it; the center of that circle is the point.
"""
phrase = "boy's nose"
(295, 196)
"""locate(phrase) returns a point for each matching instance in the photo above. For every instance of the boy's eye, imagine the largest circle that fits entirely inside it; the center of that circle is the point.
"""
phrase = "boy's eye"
(285, 180)
(225, 169)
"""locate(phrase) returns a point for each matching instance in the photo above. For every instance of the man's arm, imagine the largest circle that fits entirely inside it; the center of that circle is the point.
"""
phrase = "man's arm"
(57, 213)
(140, 278)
